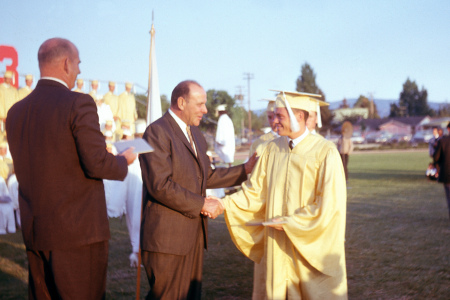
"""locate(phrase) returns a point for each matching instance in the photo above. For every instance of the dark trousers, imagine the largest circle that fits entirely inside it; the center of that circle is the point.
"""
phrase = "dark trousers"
(447, 194)
(175, 276)
(344, 158)
(77, 273)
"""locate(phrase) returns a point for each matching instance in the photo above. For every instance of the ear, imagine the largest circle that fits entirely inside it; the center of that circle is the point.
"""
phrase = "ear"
(299, 116)
(66, 65)
(181, 102)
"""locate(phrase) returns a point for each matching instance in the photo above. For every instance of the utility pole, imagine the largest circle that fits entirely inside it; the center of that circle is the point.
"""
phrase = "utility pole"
(239, 96)
(248, 77)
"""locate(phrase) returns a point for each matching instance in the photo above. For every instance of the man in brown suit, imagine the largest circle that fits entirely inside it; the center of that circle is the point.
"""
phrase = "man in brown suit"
(60, 159)
(175, 178)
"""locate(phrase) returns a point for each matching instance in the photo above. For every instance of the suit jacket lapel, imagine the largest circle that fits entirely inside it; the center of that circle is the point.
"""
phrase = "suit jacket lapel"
(179, 133)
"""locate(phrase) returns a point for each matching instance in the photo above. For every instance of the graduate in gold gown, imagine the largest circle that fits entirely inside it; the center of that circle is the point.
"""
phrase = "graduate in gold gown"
(26, 90)
(127, 104)
(112, 99)
(80, 83)
(272, 134)
(8, 94)
(301, 192)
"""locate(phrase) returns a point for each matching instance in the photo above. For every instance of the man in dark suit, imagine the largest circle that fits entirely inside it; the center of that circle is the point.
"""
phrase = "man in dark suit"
(60, 158)
(442, 158)
(175, 177)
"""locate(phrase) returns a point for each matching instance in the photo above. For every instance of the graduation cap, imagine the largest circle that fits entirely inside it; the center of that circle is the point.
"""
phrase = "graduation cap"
(270, 104)
(304, 101)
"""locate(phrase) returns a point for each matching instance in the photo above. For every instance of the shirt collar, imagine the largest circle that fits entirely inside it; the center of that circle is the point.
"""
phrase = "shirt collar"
(55, 79)
(180, 123)
(300, 138)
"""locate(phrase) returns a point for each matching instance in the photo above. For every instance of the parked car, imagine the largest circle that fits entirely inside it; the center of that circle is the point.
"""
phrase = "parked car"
(422, 137)
(333, 138)
(399, 138)
(357, 138)
(378, 137)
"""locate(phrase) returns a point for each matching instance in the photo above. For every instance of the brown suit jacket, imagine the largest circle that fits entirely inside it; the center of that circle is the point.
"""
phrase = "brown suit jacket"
(442, 157)
(60, 158)
(175, 183)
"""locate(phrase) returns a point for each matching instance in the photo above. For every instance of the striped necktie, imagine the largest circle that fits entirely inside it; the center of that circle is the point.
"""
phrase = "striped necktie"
(191, 140)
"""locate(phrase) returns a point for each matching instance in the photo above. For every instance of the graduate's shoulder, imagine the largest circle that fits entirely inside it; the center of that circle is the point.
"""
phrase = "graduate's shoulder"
(322, 142)
(321, 146)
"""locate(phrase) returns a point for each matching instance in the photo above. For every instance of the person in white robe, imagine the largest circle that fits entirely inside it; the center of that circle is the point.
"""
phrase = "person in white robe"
(7, 220)
(225, 139)
(290, 215)
(104, 114)
(133, 201)
(13, 189)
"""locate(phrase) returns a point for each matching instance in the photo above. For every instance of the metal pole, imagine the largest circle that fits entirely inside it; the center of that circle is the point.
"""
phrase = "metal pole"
(249, 76)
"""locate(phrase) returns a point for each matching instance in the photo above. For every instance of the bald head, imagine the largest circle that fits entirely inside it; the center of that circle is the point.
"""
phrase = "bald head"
(59, 58)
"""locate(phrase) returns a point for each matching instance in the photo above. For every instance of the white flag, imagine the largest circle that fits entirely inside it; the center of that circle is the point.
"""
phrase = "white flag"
(153, 98)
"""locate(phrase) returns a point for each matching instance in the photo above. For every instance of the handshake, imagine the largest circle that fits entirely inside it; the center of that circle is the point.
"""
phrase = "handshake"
(213, 207)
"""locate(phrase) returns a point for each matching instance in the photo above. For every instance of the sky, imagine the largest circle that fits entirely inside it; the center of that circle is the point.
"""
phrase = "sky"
(354, 47)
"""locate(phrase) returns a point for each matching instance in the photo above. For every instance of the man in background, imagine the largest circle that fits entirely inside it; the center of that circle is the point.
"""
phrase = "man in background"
(225, 140)
(442, 158)
(126, 109)
(112, 99)
(94, 88)
(26, 90)
(80, 83)
(8, 95)
(272, 134)
(61, 196)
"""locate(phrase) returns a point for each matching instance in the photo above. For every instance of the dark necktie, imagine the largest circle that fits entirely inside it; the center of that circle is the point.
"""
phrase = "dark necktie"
(191, 140)
(291, 144)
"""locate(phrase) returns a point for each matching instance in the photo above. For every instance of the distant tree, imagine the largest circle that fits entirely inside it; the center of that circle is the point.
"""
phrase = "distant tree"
(141, 105)
(364, 102)
(413, 101)
(395, 111)
(165, 104)
(344, 104)
(214, 99)
(444, 110)
(306, 83)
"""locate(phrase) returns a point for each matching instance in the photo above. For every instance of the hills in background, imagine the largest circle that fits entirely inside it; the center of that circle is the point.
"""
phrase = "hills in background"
(383, 105)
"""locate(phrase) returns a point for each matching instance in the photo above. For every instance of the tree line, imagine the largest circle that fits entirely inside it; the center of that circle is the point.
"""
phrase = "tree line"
(411, 102)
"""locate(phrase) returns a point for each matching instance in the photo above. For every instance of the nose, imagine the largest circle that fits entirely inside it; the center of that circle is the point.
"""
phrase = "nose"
(275, 120)
(205, 110)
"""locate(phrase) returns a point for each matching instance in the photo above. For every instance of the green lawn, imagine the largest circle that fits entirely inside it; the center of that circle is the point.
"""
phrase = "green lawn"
(398, 241)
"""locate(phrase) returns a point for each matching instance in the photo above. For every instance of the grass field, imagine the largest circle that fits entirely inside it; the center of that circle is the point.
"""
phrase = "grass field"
(397, 242)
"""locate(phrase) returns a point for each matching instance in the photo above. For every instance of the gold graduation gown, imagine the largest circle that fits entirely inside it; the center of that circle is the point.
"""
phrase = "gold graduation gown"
(262, 139)
(25, 91)
(307, 187)
(113, 102)
(8, 97)
(127, 107)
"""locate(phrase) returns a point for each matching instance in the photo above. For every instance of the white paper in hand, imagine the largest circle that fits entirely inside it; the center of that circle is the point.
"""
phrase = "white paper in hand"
(140, 146)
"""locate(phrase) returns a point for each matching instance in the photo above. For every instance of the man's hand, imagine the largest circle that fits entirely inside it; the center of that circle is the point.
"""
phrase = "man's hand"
(134, 260)
(129, 155)
(250, 163)
(212, 207)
